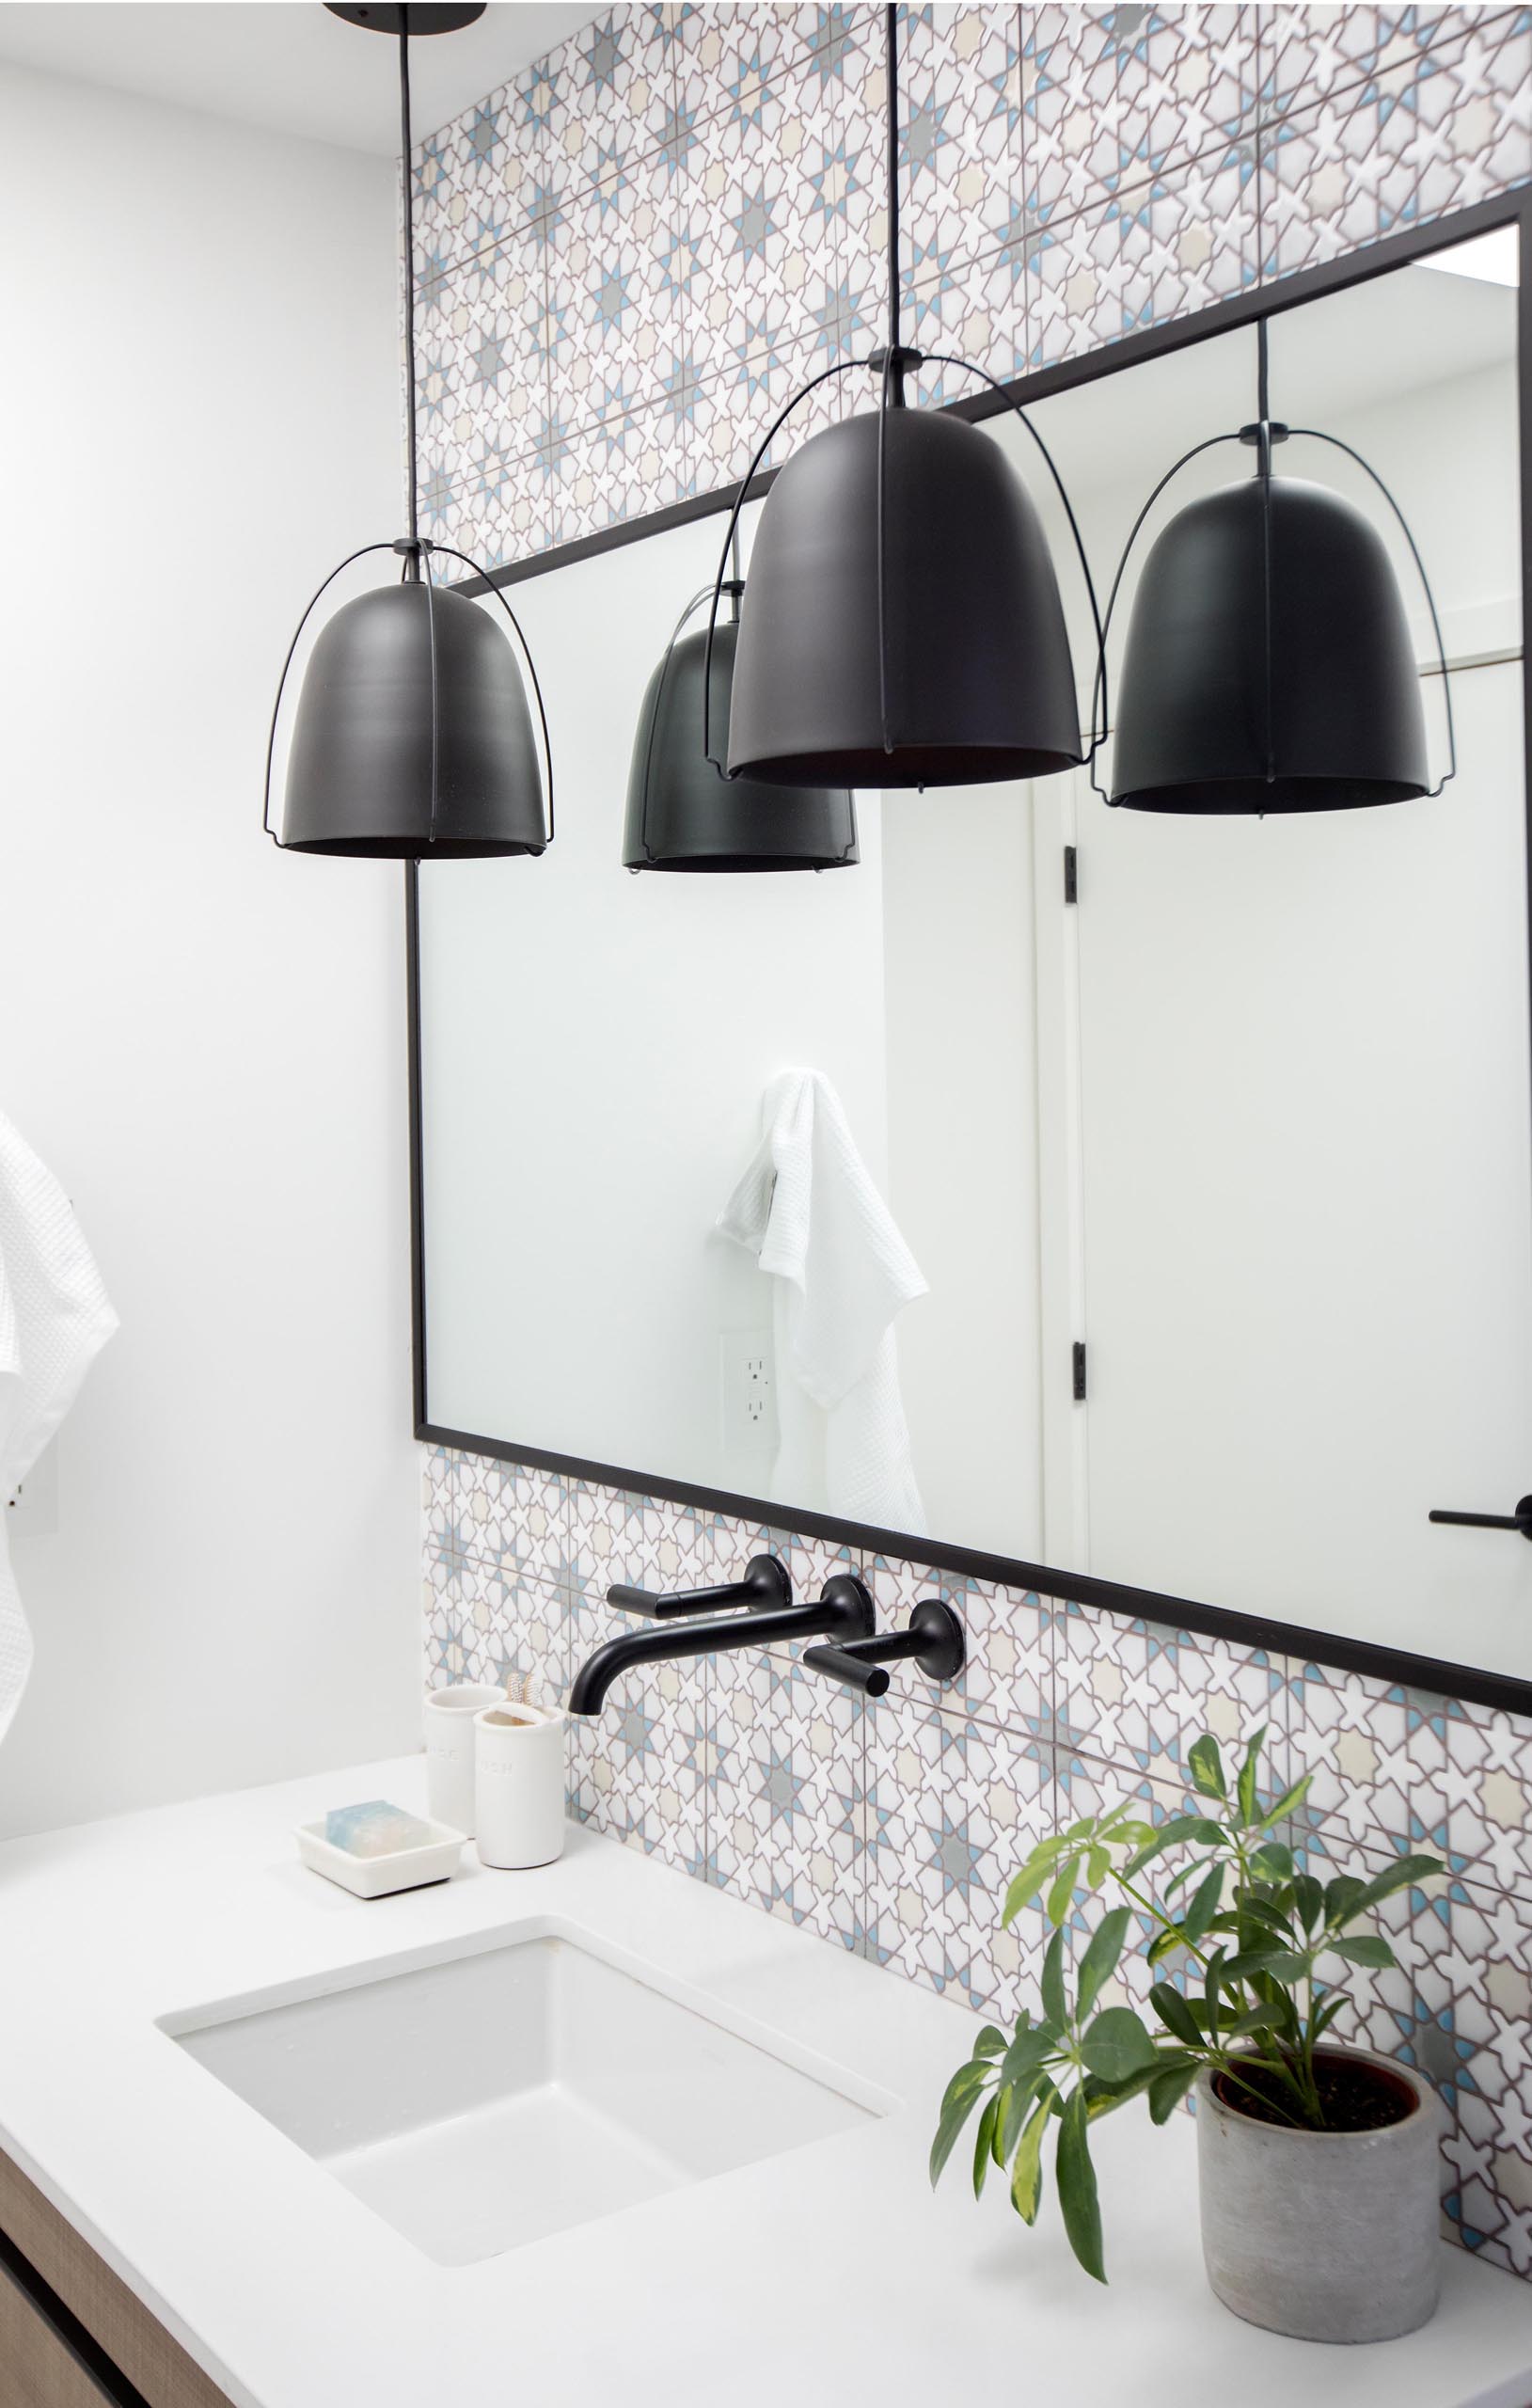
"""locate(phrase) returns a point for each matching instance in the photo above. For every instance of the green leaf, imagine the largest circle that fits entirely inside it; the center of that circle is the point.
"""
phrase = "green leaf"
(1273, 1861)
(1244, 1788)
(1077, 2187)
(1181, 1828)
(1404, 1875)
(1026, 2173)
(1365, 1949)
(1264, 2018)
(990, 2042)
(1025, 1885)
(1003, 2098)
(1117, 2046)
(1264, 1912)
(1012, 2117)
(1168, 2089)
(1027, 2051)
(1204, 1904)
(962, 2095)
(1308, 1897)
(1205, 1767)
(1060, 1896)
(1325, 2014)
(983, 2143)
(1340, 1897)
(1100, 1962)
(1055, 2006)
(1175, 2014)
(1277, 1964)
(1288, 1804)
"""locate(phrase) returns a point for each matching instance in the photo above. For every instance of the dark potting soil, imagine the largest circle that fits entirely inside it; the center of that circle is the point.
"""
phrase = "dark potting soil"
(1354, 2098)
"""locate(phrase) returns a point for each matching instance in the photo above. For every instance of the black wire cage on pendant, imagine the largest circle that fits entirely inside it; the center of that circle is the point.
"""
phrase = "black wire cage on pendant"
(682, 813)
(901, 622)
(1269, 665)
(419, 734)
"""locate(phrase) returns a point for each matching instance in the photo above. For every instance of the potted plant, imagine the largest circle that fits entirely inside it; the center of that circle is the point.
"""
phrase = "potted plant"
(1318, 2162)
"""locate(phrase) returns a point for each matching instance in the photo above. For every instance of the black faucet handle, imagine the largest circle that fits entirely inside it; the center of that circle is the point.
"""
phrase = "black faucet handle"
(766, 1587)
(933, 1639)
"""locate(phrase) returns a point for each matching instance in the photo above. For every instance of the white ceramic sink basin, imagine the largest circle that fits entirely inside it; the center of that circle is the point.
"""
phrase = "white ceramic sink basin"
(487, 2098)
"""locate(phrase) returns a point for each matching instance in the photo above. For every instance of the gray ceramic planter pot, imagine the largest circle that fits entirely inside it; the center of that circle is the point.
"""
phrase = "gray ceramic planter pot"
(1326, 2236)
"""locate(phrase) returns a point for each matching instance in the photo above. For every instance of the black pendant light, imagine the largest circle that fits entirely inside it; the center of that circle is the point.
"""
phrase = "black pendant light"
(902, 624)
(413, 738)
(682, 813)
(1269, 664)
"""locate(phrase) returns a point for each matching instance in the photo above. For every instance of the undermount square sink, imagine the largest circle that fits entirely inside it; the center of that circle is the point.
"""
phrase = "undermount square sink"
(492, 2098)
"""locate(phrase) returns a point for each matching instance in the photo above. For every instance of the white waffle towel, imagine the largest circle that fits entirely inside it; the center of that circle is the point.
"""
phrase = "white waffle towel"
(809, 1210)
(55, 1319)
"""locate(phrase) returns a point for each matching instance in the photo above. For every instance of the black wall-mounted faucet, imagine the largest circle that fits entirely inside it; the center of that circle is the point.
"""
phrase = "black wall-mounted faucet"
(933, 1639)
(843, 1613)
(766, 1582)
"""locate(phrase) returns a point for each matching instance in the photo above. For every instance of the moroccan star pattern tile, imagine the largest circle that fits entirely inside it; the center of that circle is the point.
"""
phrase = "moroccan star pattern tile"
(628, 261)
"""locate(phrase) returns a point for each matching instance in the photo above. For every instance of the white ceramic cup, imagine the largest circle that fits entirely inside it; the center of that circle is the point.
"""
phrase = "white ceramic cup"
(519, 1785)
(448, 1716)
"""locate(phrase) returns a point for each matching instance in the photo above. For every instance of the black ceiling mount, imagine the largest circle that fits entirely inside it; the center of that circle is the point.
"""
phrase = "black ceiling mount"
(419, 16)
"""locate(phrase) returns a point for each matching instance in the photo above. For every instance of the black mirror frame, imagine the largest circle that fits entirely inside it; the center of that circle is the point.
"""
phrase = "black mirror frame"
(1385, 1664)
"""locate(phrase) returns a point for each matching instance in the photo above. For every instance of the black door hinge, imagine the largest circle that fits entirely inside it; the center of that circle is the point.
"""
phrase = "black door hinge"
(1080, 1371)
(1071, 874)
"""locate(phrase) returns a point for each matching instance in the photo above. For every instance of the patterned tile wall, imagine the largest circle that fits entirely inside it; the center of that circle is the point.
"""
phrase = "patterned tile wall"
(628, 261)
(630, 257)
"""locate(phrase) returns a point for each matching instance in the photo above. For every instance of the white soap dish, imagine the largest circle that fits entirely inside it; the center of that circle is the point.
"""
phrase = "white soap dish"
(435, 1858)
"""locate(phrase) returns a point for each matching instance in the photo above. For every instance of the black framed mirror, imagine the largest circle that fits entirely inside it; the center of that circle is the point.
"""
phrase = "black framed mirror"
(1211, 1139)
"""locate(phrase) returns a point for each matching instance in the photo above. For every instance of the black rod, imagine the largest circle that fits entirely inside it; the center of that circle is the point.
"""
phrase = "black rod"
(408, 146)
(891, 26)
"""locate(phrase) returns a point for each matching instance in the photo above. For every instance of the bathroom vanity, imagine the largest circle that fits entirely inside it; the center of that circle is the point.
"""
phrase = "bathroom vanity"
(273, 2159)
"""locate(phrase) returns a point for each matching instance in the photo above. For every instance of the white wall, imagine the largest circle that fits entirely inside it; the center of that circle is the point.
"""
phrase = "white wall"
(596, 1046)
(959, 916)
(205, 1040)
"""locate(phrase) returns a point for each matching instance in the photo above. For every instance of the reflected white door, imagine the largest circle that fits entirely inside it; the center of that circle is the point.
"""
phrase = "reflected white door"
(1305, 1131)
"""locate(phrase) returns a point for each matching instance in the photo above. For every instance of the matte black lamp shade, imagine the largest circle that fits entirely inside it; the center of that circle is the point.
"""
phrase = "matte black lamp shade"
(974, 681)
(1343, 724)
(683, 814)
(413, 694)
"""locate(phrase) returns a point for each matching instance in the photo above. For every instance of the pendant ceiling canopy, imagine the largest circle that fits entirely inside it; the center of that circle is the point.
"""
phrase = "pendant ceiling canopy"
(683, 814)
(902, 624)
(1269, 665)
(419, 734)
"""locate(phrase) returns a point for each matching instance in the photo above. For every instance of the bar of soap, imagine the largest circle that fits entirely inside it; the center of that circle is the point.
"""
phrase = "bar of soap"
(375, 1829)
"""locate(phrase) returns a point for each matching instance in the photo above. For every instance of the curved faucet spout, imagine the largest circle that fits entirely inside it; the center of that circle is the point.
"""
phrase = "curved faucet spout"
(846, 1613)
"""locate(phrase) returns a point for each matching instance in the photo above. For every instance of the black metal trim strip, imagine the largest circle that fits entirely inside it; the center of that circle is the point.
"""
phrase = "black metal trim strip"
(1391, 1666)
(417, 1143)
(67, 2331)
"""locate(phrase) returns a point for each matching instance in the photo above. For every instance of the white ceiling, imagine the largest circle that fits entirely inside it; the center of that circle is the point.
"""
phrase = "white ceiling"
(287, 65)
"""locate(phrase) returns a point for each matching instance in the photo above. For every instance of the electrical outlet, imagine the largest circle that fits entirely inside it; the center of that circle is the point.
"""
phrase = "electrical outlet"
(32, 1513)
(750, 1418)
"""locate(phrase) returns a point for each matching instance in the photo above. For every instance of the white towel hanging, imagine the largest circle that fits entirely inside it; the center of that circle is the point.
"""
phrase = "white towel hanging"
(810, 1211)
(55, 1319)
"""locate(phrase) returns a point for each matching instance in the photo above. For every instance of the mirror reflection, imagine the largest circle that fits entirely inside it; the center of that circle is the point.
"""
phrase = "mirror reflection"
(1143, 1191)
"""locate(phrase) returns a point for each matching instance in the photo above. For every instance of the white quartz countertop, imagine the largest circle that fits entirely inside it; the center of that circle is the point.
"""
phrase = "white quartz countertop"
(826, 2275)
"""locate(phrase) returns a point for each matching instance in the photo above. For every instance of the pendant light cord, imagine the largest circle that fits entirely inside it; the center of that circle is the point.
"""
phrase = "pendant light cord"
(1263, 470)
(890, 27)
(408, 147)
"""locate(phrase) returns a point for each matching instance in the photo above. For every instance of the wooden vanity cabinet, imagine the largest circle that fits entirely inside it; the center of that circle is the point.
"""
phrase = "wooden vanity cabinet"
(72, 2333)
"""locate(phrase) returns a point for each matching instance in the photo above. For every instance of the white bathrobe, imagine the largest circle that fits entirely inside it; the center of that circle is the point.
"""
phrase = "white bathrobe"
(808, 1209)
(55, 1319)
